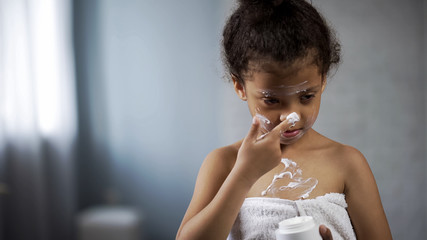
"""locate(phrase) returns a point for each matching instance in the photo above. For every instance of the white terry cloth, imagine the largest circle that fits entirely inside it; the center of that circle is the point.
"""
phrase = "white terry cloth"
(259, 217)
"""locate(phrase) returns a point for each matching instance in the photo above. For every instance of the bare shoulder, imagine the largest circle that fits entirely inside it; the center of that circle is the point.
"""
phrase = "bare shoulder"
(214, 170)
(342, 160)
(347, 155)
(225, 155)
(351, 162)
(350, 155)
(364, 203)
(212, 174)
(355, 163)
(223, 158)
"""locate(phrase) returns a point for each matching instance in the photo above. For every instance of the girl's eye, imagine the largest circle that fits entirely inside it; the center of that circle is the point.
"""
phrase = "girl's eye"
(271, 101)
(307, 97)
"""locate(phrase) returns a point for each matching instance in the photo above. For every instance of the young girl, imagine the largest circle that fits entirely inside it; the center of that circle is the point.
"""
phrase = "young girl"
(279, 54)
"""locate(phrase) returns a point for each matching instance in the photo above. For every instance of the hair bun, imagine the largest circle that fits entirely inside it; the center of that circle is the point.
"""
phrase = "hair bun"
(269, 3)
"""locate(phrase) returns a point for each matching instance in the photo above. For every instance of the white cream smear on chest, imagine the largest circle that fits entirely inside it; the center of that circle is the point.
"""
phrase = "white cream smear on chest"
(297, 188)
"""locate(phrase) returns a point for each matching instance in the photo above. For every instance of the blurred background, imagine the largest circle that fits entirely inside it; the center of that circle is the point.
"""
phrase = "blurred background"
(108, 108)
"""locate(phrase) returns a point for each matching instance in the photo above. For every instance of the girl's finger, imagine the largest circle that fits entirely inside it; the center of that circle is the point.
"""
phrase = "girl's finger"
(253, 131)
(325, 232)
(285, 125)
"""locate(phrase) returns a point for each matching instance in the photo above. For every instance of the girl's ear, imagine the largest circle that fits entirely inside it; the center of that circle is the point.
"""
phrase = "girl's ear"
(323, 83)
(239, 88)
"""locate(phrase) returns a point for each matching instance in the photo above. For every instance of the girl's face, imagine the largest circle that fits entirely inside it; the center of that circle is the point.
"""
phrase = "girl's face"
(275, 92)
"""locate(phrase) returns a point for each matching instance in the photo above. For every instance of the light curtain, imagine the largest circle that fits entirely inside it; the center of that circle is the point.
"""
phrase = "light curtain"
(38, 119)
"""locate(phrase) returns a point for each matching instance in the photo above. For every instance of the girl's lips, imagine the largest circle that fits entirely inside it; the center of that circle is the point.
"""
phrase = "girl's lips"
(291, 134)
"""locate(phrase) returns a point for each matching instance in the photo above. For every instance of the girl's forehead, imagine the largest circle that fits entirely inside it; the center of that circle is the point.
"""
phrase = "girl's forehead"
(279, 83)
(271, 71)
(286, 90)
(287, 87)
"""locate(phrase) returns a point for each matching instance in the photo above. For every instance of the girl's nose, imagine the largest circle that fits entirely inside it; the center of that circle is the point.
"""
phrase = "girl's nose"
(284, 115)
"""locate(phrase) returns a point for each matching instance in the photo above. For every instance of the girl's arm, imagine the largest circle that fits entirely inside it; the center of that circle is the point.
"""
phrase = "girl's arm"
(220, 192)
(364, 203)
(216, 201)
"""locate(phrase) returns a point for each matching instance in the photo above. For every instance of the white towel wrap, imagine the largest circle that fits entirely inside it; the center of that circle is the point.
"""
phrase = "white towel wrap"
(259, 217)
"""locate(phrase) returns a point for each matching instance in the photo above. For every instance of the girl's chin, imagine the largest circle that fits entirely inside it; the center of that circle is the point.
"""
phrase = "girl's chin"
(287, 141)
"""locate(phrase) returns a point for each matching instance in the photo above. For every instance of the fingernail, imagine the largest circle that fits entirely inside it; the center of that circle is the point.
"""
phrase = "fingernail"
(322, 229)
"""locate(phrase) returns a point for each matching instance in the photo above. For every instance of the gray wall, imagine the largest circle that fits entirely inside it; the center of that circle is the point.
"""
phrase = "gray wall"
(149, 79)
(378, 100)
(158, 101)
(425, 91)
(161, 82)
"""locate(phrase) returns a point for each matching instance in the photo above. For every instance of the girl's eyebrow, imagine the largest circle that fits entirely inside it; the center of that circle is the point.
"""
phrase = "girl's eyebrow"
(275, 93)
(312, 88)
(267, 93)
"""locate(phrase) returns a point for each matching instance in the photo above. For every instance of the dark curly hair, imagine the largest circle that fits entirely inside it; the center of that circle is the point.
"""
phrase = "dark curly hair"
(277, 30)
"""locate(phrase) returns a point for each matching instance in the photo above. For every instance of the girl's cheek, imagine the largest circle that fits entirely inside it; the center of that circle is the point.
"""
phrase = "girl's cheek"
(265, 123)
(311, 118)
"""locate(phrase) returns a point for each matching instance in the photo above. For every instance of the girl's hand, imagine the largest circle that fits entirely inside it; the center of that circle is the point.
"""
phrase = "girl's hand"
(325, 232)
(258, 155)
